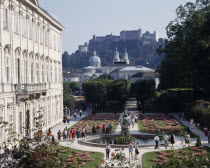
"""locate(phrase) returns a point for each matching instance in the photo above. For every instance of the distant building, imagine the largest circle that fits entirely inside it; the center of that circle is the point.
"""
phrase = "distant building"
(69, 77)
(83, 48)
(146, 75)
(147, 37)
(95, 61)
(130, 35)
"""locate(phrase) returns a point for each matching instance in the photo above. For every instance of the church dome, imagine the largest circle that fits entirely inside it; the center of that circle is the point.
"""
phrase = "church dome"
(94, 58)
(116, 54)
(125, 55)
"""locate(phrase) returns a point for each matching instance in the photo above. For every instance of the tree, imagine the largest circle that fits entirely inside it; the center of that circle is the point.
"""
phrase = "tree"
(118, 90)
(144, 90)
(68, 99)
(187, 49)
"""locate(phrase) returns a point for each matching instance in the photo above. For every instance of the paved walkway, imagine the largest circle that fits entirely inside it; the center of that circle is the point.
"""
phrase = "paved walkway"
(62, 125)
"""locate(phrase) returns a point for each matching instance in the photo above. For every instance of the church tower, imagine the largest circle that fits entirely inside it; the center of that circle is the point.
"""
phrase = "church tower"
(125, 57)
(116, 56)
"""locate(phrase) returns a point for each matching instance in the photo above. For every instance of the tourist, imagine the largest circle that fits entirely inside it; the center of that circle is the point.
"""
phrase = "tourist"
(67, 133)
(136, 150)
(59, 135)
(93, 130)
(172, 141)
(136, 118)
(209, 137)
(110, 129)
(64, 119)
(75, 115)
(64, 134)
(80, 113)
(108, 150)
(133, 122)
(157, 139)
(205, 130)
(78, 133)
(72, 133)
(49, 132)
(166, 141)
(192, 123)
(130, 149)
(107, 129)
(68, 119)
(187, 139)
(103, 128)
(98, 129)
(83, 132)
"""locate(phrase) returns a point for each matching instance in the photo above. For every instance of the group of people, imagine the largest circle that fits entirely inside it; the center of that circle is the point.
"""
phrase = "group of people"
(132, 148)
(68, 134)
(167, 140)
(67, 118)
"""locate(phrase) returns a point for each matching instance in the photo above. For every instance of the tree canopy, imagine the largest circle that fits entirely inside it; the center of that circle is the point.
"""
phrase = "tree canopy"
(187, 48)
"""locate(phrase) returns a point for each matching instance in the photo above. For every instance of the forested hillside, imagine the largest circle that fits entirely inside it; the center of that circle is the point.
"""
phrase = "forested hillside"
(138, 54)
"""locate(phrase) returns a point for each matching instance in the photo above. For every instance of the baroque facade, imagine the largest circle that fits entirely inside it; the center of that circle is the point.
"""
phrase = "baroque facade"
(30, 67)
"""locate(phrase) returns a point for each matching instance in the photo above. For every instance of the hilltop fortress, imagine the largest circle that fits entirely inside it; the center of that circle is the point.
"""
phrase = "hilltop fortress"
(125, 35)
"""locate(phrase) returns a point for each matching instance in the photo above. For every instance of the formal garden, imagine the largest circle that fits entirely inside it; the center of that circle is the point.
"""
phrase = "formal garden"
(159, 123)
(183, 157)
(97, 120)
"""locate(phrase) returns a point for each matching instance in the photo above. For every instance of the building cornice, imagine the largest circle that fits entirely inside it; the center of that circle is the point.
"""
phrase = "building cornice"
(44, 14)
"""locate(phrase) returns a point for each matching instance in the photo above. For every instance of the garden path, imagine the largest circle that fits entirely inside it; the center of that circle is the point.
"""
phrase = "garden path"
(196, 131)
(62, 125)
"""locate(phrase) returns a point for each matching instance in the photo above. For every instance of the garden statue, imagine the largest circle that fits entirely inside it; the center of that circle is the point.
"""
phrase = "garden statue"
(125, 124)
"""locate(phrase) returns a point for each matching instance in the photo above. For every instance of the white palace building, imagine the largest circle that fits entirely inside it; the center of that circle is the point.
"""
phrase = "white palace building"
(30, 67)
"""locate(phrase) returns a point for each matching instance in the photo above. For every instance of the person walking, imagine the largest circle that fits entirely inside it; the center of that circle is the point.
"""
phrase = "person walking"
(172, 141)
(59, 135)
(192, 123)
(157, 139)
(136, 150)
(205, 130)
(166, 141)
(80, 113)
(78, 133)
(68, 118)
(136, 118)
(130, 149)
(110, 129)
(108, 150)
(75, 115)
(83, 132)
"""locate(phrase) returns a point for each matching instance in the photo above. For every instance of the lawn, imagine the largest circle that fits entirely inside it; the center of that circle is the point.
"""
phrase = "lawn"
(159, 123)
(151, 158)
(94, 120)
(82, 158)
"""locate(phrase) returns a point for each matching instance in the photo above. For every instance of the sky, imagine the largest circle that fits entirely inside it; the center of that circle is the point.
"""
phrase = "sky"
(84, 18)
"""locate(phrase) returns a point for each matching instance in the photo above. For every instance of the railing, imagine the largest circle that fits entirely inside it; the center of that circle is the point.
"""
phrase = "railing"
(22, 88)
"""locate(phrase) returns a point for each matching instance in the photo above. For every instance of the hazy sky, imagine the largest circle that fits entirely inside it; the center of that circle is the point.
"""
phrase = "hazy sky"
(84, 18)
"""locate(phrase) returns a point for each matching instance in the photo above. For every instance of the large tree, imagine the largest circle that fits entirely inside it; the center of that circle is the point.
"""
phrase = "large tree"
(144, 90)
(187, 48)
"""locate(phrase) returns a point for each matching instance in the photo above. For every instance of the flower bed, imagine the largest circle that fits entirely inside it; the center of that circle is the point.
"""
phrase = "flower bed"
(154, 123)
(159, 157)
(97, 120)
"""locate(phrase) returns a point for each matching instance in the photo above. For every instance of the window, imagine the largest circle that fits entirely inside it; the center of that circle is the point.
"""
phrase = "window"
(11, 118)
(32, 72)
(58, 41)
(20, 123)
(60, 79)
(17, 28)
(51, 76)
(24, 32)
(47, 73)
(17, 69)
(36, 33)
(37, 72)
(1, 128)
(54, 42)
(43, 73)
(46, 38)
(56, 74)
(26, 70)
(7, 68)
(30, 30)
(50, 40)
(6, 19)
(41, 35)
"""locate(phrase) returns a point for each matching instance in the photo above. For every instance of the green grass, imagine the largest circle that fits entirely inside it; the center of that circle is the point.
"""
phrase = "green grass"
(147, 157)
(97, 156)
(142, 128)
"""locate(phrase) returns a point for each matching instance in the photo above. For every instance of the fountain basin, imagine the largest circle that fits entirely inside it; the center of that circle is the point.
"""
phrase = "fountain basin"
(101, 140)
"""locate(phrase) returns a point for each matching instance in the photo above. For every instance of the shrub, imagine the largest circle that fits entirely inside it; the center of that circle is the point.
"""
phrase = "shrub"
(124, 139)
